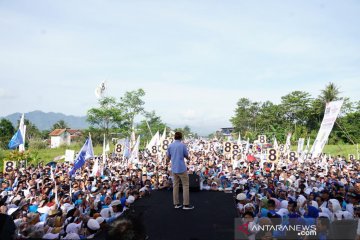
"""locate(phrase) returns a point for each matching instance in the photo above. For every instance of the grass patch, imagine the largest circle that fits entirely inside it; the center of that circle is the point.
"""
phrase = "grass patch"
(343, 150)
(47, 155)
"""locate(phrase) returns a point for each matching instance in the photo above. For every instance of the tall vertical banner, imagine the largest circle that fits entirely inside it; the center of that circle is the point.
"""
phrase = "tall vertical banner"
(288, 143)
(300, 145)
(332, 111)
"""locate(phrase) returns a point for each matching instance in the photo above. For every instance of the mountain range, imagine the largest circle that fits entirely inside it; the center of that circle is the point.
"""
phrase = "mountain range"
(45, 121)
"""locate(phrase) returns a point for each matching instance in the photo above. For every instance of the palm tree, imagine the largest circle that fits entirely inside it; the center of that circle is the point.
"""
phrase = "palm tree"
(330, 93)
(61, 124)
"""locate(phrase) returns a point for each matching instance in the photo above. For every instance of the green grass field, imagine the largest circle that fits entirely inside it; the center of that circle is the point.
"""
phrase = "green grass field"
(48, 155)
(343, 150)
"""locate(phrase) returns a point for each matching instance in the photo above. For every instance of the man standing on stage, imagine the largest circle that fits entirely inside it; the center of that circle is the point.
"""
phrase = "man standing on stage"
(176, 152)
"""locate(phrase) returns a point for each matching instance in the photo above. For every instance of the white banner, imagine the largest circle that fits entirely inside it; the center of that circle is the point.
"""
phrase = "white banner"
(332, 110)
(300, 145)
(69, 155)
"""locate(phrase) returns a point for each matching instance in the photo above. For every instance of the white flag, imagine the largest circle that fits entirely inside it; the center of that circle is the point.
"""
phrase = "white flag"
(307, 148)
(95, 170)
(163, 137)
(100, 90)
(239, 140)
(104, 154)
(22, 128)
(288, 140)
(276, 145)
(154, 141)
(300, 145)
(132, 138)
(134, 158)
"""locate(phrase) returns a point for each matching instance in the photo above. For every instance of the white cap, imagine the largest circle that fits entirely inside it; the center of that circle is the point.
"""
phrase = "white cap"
(115, 203)
(93, 224)
(143, 189)
(308, 191)
(249, 205)
(130, 199)
(241, 196)
(100, 220)
(73, 228)
(242, 182)
(67, 207)
(105, 212)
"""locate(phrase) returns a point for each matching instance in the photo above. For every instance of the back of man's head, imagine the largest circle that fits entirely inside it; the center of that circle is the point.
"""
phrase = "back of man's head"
(178, 136)
(271, 203)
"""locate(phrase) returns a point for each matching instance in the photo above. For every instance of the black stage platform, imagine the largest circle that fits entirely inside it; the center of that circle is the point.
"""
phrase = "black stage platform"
(212, 218)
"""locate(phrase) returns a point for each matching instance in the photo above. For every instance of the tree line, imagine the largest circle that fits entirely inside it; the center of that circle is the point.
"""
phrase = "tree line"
(299, 114)
(116, 118)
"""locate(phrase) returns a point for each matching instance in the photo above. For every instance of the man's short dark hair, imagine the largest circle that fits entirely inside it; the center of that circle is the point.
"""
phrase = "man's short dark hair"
(271, 203)
(178, 136)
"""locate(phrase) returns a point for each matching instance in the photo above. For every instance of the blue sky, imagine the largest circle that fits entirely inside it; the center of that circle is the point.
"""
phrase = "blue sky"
(194, 59)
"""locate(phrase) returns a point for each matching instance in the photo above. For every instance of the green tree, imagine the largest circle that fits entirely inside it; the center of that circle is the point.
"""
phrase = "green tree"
(246, 115)
(155, 124)
(7, 130)
(297, 113)
(131, 104)
(270, 121)
(97, 136)
(45, 134)
(330, 93)
(186, 131)
(108, 115)
(32, 131)
(348, 128)
(61, 124)
(295, 106)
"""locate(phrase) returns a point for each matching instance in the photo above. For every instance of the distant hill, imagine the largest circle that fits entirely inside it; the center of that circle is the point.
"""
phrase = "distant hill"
(45, 121)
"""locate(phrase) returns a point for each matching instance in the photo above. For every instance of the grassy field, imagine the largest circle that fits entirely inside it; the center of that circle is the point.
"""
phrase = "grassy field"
(343, 150)
(47, 155)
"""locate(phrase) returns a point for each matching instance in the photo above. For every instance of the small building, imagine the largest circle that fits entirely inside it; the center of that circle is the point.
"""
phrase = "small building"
(64, 136)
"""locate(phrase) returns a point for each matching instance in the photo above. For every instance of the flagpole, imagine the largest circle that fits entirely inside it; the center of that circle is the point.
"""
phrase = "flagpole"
(104, 156)
(147, 123)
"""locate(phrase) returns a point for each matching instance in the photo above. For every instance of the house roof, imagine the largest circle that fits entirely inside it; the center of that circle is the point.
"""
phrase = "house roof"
(57, 132)
(73, 131)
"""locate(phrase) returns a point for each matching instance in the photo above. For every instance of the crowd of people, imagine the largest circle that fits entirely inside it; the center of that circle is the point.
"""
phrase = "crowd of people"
(46, 202)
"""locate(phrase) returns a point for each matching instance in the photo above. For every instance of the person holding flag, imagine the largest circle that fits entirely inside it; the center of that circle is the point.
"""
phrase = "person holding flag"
(86, 153)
